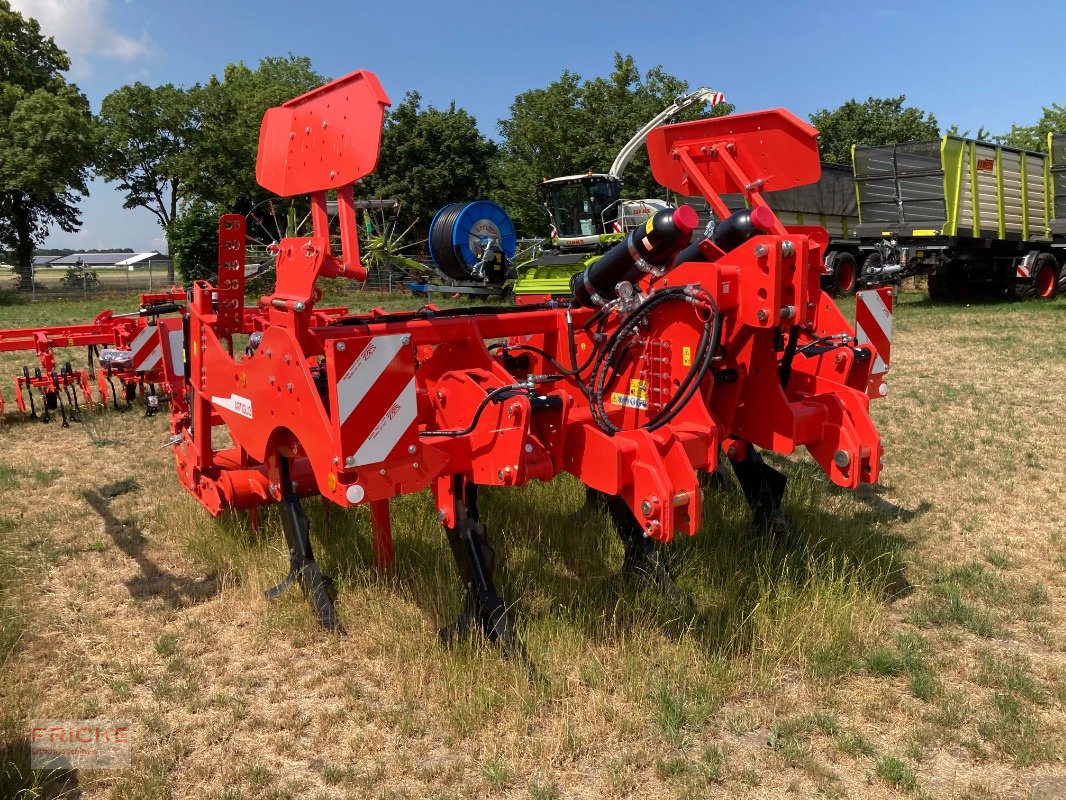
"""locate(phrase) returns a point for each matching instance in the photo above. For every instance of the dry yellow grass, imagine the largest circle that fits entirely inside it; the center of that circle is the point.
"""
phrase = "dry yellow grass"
(912, 644)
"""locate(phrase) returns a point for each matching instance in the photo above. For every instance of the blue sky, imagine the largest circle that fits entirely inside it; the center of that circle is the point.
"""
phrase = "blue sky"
(947, 58)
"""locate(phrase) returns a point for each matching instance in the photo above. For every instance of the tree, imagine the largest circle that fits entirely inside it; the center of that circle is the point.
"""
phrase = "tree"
(573, 126)
(193, 238)
(220, 163)
(430, 157)
(46, 139)
(1034, 137)
(878, 121)
(983, 134)
(145, 133)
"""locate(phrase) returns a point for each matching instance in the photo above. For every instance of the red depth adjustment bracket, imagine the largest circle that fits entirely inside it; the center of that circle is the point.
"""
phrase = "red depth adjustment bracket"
(326, 138)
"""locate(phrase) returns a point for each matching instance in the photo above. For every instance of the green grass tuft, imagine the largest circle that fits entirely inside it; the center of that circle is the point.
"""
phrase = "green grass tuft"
(896, 774)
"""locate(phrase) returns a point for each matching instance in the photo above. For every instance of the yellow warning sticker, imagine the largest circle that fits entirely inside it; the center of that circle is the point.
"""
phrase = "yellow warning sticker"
(638, 388)
(648, 225)
(686, 356)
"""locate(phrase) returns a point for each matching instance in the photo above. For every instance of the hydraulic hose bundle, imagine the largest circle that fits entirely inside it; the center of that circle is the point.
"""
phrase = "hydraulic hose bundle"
(606, 365)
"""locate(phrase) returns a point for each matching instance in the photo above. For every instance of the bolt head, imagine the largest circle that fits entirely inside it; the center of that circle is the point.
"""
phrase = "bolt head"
(412, 449)
(645, 507)
(406, 339)
(761, 250)
(349, 462)
(841, 458)
(762, 315)
(341, 346)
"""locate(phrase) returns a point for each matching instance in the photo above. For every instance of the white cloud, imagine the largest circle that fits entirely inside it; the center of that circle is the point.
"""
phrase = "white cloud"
(81, 28)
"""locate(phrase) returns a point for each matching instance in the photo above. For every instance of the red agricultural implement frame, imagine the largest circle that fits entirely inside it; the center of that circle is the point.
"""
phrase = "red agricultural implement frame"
(132, 340)
(633, 397)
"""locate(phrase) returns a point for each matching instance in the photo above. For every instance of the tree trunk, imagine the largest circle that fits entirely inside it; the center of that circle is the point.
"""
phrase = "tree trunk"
(170, 261)
(23, 243)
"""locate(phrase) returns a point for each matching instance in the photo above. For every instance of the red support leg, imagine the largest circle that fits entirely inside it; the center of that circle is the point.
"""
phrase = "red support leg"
(382, 535)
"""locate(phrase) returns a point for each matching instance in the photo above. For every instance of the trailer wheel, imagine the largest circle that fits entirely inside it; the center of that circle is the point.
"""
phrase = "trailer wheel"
(845, 277)
(947, 285)
(1046, 277)
(939, 288)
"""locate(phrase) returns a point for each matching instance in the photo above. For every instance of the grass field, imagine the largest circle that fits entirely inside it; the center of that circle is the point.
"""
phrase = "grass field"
(911, 643)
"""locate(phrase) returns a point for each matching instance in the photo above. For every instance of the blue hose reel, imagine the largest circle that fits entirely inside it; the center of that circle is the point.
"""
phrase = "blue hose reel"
(460, 234)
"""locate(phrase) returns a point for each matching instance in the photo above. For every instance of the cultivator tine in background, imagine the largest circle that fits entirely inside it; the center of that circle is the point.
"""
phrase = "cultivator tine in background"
(302, 565)
(59, 399)
(763, 487)
(71, 389)
(475, 561)
(114, 392)
(151, 401)
(48, 400)
(641, 557)
(29, 392)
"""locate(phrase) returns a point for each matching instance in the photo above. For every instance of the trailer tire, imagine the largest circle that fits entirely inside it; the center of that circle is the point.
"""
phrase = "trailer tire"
(1024, 289)
(945, 288)
(1047, 277)
(844, 280)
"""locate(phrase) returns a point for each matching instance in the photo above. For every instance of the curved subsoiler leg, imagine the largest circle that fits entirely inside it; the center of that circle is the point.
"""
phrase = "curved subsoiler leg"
(475, 560)
(763, 488)
(302, 565)
(642, 558)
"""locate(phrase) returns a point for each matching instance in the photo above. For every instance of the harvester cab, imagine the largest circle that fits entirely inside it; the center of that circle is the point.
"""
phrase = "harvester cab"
(582, 208)
(588, 213)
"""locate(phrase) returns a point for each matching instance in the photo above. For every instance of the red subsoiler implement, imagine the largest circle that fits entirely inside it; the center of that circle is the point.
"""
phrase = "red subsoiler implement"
(665, 356)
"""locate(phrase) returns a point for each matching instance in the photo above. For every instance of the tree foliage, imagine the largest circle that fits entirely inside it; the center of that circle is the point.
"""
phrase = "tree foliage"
(194, 241)
(877, 121)
(145, 134)
(982, 134)
(430, 157)
(573, 126)
(221, 160)
(46, 139)
(1035, 137)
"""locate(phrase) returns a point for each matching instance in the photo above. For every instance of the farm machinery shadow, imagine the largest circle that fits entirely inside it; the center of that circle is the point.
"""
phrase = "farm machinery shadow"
(153, 581)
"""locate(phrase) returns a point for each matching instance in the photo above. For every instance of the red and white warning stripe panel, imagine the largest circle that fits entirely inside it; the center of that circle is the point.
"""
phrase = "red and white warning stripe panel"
(873, 326)
(376, 399)
(147, 349)
(173, 356)
(1023, 267)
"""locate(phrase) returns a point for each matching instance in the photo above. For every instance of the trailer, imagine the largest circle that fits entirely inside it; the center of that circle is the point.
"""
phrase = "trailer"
(973, 216)
(829, 203)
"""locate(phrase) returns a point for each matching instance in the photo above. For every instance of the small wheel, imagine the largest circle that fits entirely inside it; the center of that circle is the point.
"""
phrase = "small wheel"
(872, 266)
(845, 278)
(1046, 277)
(950, 283)
(939, 288)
